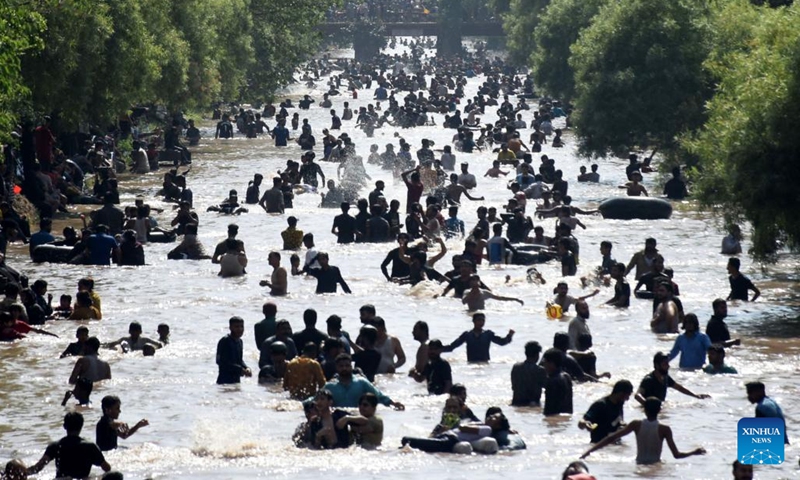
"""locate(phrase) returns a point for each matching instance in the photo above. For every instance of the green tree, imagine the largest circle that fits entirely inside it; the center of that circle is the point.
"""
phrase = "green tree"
(749, 147)
(20, 30)
(61, 76)
(519, 23)
(639, 76)
(284, 36)
(450, 18)
(559, 26)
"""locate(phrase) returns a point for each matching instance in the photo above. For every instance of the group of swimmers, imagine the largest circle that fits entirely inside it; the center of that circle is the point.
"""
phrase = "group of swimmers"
(333, 374)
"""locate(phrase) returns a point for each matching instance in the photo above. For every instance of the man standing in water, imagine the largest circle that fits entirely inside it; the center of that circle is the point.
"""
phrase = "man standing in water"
(347, 389)
(478, 340)
(716, 328)
(650, 436)
(328, 276)
(606, 415)
(740, 285)
(528, 378)
(230, 354)
(656, 383)
(765, 406)
(643, 260)
(74, 456)
(278, 283)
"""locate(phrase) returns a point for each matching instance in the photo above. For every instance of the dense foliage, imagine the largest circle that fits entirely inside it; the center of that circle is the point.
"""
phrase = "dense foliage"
(639, 75)
(520, 23)
(88, 61)
(749, 149)
(559, 26)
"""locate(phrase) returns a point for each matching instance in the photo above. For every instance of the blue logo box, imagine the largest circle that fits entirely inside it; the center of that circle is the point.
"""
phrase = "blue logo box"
(761, 441)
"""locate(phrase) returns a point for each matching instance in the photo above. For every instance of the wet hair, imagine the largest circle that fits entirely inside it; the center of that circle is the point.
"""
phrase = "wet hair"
(533, 349)
(735, 263)
(136, 326)
(73, 422)
(458, 389)
(606, 244)
(422, 325)
(659, 357)
(324, 393)
(370, 398)
(691, 317)
(716, 303)
(561, 341)
(367, 308)
(310, 317)
(109, 401)
(584, 341)
(554, 356)
(83, 299)
(331, 344)
(235, 320)
(622, 386)
(754, 387)
(82, 330)
(652, 406)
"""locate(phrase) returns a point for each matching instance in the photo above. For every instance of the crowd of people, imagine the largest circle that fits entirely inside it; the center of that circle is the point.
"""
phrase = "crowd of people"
(331, 373)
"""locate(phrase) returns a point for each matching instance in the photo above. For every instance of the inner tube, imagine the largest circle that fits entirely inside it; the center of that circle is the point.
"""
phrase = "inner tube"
(529, 258)
(51, 254)
(510, 441)
(161, 237)
(630, 208)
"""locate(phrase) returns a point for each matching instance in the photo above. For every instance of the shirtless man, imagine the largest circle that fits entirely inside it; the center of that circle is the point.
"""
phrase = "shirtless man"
(389, 347)
(278, 281)
(475, 298)
(634, 188)
(454, 191)
(420, 333)
(89, 366)
(666, 316)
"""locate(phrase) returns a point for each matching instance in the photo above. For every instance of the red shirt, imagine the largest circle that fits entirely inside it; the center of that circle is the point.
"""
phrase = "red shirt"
(8, 334)
(22, 327)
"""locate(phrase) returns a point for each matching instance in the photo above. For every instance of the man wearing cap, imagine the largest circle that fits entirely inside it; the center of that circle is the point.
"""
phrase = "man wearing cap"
(272, 201)
(222, 248)
(230, 350)
(656, 383)
(644, 259)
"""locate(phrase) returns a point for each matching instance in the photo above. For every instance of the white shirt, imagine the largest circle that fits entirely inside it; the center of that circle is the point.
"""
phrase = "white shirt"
(310, 255)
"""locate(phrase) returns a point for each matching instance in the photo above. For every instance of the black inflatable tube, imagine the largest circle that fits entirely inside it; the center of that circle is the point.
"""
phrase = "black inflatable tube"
(630, 208)
(51, 254)
(161, 237)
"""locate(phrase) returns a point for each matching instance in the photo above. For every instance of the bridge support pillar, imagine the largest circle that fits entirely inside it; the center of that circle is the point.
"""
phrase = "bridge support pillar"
(368, 39)
(448, 42)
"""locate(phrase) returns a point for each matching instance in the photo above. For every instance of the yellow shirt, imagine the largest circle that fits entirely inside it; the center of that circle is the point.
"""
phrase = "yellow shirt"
(292, 238)
(85, 313)
(96, 301)
(303, 377)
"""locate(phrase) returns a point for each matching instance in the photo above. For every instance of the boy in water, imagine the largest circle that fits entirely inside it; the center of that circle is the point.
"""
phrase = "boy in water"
(366, 427)
(81, 392)
(77, 348)
(163, 333)
(108, 428)
(64, 308)
(12, 329)
(650, 436)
